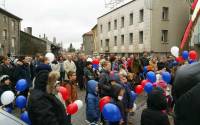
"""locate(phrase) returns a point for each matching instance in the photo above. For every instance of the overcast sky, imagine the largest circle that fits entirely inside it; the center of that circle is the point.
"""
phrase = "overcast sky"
(67, 20)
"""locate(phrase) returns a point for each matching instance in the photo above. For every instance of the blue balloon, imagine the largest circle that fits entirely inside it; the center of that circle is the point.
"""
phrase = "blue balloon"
(166, 76)
(111, 113)
(21, 85)
(24, 117)
(95, 66)
(148, 87)
(185, 55)
(145, 69)
(7, 109)
(151, 76)
(20, 102)
(133, 96)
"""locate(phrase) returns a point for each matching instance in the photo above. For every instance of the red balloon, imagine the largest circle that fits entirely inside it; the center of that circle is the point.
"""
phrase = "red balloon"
(193, 55)
(64, 92)
(179, 59)
(144, 82)
(72, 108)
(139, 89)
(105, 100)
(95, 61)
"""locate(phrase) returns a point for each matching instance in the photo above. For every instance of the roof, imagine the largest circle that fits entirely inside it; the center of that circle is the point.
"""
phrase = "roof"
(9, 14)
(94, 27)
(116, 9)
(33, 36)
(88, 33)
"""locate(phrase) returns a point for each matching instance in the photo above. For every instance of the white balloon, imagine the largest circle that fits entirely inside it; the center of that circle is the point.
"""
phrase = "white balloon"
(175, 51)
(79, 104)
(89, 60)
(50, 56)
(7, 97)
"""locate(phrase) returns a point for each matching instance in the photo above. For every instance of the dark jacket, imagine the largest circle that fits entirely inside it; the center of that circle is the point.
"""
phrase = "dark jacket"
(92, 101)
(115, 92)
(104, 84)
(41, 67)
(23, 72)
(153, 115)
(89, 74)
(7, 70)
(127, 96)
(186, 92)
(44, 108)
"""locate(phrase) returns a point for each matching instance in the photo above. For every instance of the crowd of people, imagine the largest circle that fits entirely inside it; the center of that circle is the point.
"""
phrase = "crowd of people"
(112, 76)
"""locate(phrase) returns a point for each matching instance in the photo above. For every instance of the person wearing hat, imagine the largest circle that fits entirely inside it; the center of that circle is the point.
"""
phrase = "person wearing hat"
(5, 84)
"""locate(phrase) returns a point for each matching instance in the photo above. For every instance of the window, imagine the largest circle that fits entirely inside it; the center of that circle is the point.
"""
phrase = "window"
(109, 26)
(131, 19)
(141, 37)
(4, 33)
(13, 25)
(164, 36)
(131, 38)
(101, 43)
(122, 22)
(4, 19)
(12, 45)
(115, 24)
(165, 12)
(141, 15)
(122, 39)
(115, 41)
(101, 28)
(107, 42)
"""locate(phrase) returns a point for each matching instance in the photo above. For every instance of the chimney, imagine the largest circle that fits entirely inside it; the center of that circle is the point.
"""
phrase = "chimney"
(44, 36)
(54, 39)
(29, 30)
(39, 36)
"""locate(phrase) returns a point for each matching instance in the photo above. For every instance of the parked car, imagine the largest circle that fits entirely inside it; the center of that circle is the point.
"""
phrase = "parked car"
(8, 119)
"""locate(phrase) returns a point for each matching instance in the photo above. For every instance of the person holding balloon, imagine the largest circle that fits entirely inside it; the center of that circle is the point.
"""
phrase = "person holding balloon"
(71, 86)
(5, 85)
(43, 107)
(92, 107)
(117, 99)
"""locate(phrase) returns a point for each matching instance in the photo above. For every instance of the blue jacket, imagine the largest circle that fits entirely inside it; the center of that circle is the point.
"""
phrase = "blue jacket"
(92, 107)
(127, 96)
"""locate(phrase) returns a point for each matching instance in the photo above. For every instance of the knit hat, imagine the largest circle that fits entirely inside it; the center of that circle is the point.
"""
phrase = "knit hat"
(3, 78)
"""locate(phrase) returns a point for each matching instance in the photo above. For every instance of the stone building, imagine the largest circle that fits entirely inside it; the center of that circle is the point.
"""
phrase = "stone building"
(143, 25)
(9, 33)
(31, 45)
(88, 43)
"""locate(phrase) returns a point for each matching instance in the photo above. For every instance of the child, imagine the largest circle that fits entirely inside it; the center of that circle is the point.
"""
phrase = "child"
(131, 81)
(5, 85)
(118, 93)
(127, 97)
(71, 86)
(154, 114)
(92, 101)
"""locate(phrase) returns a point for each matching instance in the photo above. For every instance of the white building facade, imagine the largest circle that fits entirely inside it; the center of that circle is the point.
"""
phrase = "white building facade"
(143, 25)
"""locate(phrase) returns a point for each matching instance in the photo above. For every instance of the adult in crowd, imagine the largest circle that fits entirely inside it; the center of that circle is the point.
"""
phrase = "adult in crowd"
(6, 68)
(43, 65)
(144, 60)
(62, 70)
(69, 65)
(22, 71)
(80, 71)
(43, 107)
(55, 66)
(104, 80)
(186, 93)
